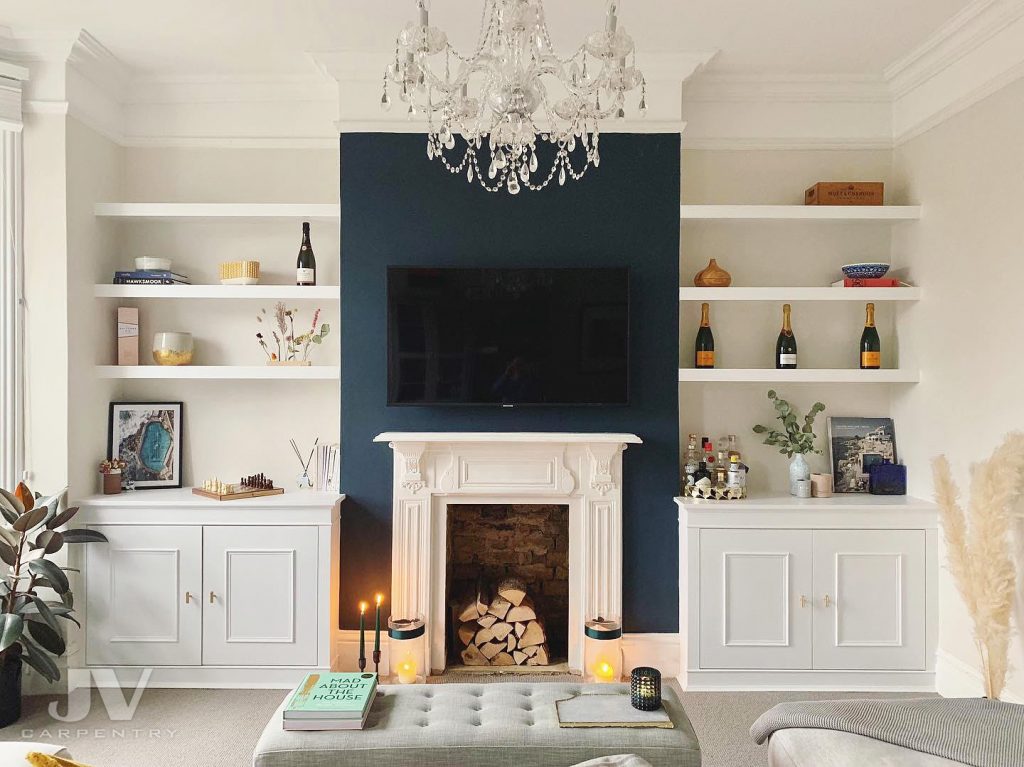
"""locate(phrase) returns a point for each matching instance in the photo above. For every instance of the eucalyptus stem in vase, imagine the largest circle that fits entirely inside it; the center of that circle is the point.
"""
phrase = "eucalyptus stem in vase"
(795, 440)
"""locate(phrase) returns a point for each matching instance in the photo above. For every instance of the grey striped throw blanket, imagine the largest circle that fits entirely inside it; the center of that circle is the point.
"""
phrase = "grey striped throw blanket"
(982, 733)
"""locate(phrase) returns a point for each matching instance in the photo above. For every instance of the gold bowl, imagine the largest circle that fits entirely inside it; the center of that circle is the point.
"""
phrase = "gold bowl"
(172, 348)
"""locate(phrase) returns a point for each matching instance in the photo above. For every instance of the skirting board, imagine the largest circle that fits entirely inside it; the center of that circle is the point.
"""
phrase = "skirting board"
(829, 681)
(205, 677)
(956, 679)
(658, 650)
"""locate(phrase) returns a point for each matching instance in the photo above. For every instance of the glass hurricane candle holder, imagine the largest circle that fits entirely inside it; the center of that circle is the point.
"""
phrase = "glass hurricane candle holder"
(645, 688)
(406, 649)
(602, 650)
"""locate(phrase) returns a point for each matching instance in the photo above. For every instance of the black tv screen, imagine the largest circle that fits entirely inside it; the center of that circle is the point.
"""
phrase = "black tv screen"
(508, 336)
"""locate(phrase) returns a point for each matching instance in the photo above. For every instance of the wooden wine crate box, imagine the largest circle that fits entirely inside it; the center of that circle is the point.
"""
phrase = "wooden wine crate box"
(846, 193)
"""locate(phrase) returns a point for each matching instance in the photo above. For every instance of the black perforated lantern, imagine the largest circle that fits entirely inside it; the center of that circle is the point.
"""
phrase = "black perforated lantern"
(645, 688)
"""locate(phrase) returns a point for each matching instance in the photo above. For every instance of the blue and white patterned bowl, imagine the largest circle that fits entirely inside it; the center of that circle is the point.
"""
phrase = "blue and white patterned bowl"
(865, 271)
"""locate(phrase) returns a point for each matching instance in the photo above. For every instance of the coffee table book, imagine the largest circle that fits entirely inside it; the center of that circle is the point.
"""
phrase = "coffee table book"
(608, 710)
(331, 701)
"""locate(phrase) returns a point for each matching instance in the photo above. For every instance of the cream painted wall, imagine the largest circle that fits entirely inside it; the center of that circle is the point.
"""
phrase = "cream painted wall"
(777, 254)
(94, 173)
(46, 286)
(967, 251)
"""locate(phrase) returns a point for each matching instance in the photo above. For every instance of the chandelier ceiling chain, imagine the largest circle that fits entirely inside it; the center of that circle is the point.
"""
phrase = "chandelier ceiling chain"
(512, 91)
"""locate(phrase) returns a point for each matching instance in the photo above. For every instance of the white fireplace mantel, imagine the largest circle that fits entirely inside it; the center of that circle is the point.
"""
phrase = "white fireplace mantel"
(578, 470)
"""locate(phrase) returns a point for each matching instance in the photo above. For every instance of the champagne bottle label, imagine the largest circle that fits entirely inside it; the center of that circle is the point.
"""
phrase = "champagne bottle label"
(871, 359)
(787, 359)
(305, 275)
(705, 359)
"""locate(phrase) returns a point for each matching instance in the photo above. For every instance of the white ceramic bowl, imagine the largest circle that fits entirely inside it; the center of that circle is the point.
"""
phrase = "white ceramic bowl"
(148, 263)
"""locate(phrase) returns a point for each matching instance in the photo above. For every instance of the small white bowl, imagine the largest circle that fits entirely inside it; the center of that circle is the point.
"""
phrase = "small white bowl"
(150, 264)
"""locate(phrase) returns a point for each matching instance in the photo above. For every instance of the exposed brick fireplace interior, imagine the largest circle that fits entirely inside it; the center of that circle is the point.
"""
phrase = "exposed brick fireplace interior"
(530, 542)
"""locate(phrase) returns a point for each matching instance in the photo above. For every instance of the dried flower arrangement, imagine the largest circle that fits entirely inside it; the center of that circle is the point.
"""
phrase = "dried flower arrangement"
(112, 466)
(289, 348)
(979, 549)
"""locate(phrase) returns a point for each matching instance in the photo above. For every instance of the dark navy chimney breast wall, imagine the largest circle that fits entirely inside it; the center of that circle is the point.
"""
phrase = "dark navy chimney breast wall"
(398, 208)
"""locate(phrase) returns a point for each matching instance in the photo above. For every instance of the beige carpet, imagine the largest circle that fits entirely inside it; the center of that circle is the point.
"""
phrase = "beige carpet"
(219, 728)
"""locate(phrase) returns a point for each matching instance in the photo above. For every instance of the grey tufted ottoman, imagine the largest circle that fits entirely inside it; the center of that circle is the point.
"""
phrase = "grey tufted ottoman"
(497, 725)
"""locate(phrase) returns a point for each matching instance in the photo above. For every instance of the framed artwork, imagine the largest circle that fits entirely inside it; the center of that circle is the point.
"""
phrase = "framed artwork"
(855, 444)
(147, 437)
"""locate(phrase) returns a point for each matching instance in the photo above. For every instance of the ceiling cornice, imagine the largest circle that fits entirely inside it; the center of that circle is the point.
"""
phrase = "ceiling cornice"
(977, 52)
(710, 87)
(965, 32)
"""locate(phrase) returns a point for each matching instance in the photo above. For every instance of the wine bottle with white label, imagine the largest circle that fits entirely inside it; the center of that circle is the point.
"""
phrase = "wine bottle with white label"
(305, 265)
(704, 346)
(870, 346)
(785, 347)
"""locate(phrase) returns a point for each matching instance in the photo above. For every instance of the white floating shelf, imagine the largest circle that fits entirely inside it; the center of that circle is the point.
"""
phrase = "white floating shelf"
(800, 212)
(804, 375)
(261, 292)
(222, 372)
(128, 211)
(800, 294)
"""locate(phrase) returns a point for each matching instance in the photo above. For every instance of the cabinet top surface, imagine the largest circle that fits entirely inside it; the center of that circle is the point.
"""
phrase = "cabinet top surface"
(518, 436)
(183, 498)
(848, 502)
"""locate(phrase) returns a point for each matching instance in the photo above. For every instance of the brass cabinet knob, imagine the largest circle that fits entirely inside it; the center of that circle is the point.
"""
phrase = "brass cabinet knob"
(212, 597)
(188, 597)
(828, 601)
(803, 601)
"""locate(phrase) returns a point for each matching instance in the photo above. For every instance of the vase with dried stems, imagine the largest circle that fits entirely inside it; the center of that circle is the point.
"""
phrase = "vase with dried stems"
(980, 549)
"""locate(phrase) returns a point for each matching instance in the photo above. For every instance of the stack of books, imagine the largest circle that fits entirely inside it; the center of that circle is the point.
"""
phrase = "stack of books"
(331, 701)
(150, 277)
(869, 282)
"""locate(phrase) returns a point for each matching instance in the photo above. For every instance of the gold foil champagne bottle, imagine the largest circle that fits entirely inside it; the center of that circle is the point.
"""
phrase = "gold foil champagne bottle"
(870, 345)
(704, 347)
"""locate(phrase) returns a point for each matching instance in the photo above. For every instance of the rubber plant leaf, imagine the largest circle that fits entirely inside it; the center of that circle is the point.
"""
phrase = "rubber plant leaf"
(47, 638)
(84, 536)
(11, 627)
(53, 575)
(39, 660)
(23, 494)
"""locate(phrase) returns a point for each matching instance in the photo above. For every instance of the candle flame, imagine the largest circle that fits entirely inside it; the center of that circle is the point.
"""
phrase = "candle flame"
(380, 598)
(362, 607)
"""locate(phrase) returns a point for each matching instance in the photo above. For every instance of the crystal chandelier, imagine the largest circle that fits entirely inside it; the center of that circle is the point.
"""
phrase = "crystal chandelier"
(512, 92)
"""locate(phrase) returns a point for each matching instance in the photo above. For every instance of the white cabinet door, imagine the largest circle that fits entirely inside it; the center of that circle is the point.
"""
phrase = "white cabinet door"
(260, 596)
(870, 599)
(142, 595)
(755, 590)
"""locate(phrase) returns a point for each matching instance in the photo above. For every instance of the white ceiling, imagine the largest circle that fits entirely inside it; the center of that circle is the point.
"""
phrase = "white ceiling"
(261, 37)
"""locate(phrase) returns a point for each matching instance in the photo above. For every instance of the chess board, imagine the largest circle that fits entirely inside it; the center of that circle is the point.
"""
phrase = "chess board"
(238, 494)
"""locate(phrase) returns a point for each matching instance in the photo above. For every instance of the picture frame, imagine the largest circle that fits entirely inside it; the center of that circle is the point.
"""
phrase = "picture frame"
(855, 444)
(147, 436)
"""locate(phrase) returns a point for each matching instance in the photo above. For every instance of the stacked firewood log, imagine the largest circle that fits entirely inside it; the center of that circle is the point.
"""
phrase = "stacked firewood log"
(501, 631)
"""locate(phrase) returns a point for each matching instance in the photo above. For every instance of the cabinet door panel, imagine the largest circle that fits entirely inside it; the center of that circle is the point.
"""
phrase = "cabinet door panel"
(751, 613)
(874, 582)
(136, 588)
(260, 596)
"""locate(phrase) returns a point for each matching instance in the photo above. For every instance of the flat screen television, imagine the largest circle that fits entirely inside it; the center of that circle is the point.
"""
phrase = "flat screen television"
(508, 337)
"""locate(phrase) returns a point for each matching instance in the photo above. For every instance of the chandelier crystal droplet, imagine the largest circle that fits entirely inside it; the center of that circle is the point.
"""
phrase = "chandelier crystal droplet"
(491, 108)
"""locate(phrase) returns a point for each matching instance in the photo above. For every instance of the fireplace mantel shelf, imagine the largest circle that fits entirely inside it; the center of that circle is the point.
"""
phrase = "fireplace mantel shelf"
(563, 438)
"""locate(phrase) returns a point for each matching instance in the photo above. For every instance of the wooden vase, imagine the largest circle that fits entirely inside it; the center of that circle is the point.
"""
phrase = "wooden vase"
(112, 483)
(713, 276)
